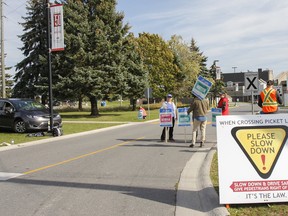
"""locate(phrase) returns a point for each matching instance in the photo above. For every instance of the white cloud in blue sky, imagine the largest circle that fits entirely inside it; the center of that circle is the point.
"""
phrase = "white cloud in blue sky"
(239, 33)
(242, 33)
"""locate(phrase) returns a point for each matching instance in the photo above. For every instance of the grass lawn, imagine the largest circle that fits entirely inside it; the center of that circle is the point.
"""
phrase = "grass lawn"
(86, 123)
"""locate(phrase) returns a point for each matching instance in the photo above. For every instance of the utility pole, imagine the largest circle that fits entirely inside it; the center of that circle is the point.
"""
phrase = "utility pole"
(234, 68)
(2, 51)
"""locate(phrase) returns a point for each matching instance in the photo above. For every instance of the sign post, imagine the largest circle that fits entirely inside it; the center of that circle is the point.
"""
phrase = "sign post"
(165, 117)
(251, 81)
(184, 119)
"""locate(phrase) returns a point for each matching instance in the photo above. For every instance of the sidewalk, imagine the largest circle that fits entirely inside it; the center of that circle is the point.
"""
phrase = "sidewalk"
(196, 194)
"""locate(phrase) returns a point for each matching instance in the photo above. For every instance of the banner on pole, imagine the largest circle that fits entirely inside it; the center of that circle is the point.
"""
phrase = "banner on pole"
(57, 27)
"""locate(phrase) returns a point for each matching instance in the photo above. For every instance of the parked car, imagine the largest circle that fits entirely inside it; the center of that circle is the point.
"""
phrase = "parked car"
(22, 115)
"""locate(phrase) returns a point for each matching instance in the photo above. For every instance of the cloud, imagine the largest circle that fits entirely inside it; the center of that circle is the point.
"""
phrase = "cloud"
(243, 33)
(250, 34)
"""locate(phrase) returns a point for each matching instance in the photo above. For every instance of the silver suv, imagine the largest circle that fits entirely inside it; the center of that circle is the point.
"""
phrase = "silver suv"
(22, 115)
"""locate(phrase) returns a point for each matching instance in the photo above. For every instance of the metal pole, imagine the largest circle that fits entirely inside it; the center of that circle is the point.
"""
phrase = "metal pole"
(2, 53)
(252, 101)
(49, 66)
(148, 93)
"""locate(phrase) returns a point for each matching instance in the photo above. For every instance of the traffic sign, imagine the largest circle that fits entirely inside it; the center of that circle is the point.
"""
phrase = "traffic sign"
(251, 81)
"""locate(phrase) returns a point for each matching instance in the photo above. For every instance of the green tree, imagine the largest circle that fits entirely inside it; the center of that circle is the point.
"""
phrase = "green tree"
(95, 47)
(159, 62)
(8, 83)
(218, 84)
(202, 60)
(188, 64)
(136, 75)
(32, 72)
(70, 64)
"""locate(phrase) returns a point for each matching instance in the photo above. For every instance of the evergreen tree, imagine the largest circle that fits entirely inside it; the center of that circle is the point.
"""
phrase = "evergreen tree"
(8, 83)
(218, 84)
(134, 69)
(95, 47)
(68, 64)
(32, 72)
(201, 58)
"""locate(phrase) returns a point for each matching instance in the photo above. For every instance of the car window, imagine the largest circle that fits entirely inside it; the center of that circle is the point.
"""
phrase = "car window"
(8, 107)
(29, 105)
(1, 105)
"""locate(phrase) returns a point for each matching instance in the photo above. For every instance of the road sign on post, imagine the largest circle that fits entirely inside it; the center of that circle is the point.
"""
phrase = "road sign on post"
(251, 81)
(252, 85)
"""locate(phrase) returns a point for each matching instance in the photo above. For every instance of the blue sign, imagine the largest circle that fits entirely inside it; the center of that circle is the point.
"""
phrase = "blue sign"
(183, 118)
(215, 112)
(201, 87)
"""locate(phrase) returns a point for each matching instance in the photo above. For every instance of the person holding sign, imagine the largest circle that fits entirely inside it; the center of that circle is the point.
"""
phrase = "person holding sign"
(169, 104)
(223, 103)
(200, 109)
(269, 99)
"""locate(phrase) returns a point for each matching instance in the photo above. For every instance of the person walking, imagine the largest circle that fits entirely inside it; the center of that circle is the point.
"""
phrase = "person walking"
(200, 109)
(169, 104)
(269, 99)
(223, 103)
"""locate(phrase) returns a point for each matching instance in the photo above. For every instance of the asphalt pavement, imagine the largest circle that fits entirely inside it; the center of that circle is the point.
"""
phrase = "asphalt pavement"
(195, 192)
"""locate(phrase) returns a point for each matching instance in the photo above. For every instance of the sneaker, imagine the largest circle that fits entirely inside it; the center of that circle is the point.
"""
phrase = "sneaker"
(191, 146)
(171, 140)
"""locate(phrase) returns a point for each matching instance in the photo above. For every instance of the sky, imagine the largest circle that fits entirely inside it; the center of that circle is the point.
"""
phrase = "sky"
(243, 35)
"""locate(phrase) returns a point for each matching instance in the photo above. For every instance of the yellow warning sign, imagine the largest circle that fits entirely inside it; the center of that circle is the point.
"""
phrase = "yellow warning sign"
(261, 145)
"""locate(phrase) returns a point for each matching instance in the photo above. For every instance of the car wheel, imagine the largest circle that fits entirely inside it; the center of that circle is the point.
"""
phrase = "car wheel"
(19, 126)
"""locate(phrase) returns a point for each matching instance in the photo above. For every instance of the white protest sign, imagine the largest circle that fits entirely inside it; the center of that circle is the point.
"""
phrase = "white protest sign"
(201, 87)
(252, 158)
(183, 118)
(165, 117)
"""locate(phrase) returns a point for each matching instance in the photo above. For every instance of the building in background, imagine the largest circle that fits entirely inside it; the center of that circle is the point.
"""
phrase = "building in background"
(235, 84)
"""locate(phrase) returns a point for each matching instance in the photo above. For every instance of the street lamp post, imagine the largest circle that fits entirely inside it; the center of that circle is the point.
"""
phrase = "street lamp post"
(2, 51)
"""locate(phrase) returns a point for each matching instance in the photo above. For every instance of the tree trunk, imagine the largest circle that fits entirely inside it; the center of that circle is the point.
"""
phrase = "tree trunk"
(94, 107)
(133, 104)
(80, 102)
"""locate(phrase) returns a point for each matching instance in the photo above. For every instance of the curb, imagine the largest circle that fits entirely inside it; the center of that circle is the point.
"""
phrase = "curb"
(195, 194)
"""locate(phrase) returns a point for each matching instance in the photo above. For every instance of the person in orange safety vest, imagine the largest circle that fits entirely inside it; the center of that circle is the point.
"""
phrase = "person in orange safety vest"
(269, 99)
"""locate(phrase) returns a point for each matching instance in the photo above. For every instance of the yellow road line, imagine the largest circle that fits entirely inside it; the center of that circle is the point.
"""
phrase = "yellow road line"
(79, 157)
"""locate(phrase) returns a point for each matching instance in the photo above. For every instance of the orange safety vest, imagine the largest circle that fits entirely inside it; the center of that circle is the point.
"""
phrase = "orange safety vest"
(269, 100)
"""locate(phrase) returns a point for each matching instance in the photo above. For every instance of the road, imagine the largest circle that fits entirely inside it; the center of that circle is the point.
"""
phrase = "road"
(124, 170)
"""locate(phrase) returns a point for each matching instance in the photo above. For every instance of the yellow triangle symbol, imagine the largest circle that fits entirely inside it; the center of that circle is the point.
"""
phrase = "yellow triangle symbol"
(261, 145)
